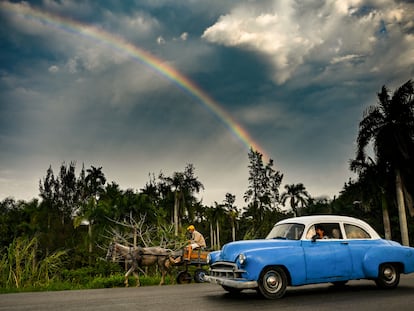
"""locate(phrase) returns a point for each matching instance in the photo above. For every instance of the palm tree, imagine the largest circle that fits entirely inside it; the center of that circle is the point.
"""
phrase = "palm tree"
(389, 125)
(297, 196)
(94, 183)
(232, 212)
(373, 177)
(217, 215)
(183, 185)
(95, 180)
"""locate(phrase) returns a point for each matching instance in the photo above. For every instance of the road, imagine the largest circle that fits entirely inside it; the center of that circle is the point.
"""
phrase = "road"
(357, 295)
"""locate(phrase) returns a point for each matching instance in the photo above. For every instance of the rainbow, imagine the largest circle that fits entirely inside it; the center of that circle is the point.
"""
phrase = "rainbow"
(120, 45)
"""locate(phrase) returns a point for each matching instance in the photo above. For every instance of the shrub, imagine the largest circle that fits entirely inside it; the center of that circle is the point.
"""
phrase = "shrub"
(21, 268)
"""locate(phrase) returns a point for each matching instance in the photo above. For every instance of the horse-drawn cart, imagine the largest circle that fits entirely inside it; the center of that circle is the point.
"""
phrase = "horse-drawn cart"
(198, 259)
(165, 259)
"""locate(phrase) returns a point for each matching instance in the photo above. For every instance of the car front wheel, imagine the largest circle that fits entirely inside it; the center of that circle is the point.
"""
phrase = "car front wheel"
(273, 283)
(388, 276)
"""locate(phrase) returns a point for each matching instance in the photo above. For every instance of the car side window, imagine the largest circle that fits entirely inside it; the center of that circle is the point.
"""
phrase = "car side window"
(330, 231)
(311, 232)
(336, 233)
(355, 232)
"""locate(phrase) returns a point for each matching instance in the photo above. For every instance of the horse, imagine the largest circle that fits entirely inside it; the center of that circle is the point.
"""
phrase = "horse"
(142, 257)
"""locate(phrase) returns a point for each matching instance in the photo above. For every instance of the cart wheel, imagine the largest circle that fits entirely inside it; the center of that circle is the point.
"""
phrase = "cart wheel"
(199, 275)
(183, 277)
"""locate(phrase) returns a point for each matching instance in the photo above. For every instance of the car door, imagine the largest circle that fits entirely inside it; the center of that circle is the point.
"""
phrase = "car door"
(327, 259)
(360, 242)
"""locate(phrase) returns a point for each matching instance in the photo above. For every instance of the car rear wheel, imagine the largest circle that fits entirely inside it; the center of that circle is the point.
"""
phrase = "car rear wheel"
(272, 283)
(388, 276)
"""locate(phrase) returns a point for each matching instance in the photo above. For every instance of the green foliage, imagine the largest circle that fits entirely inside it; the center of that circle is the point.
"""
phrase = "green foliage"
(21, 268)
(107, 282)
(21, 271)
(388, 127)
(262, 196)
(297, 196)
(83, 276)
(102, 275)
(264, 183)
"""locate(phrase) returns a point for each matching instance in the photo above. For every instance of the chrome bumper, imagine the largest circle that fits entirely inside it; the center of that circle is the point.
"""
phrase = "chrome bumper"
(230, 283)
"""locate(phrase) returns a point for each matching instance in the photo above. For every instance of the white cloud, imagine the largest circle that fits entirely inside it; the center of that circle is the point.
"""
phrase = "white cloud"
(53, 69)
(72, 65)
(184, 36)
(137, 26)
(160, 40)
(288, 33)
(345, 58)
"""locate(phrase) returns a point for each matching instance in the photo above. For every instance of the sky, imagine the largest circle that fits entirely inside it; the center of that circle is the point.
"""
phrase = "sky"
(149, 86)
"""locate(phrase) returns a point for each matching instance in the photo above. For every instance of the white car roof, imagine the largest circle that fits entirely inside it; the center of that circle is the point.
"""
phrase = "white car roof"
(310, 220)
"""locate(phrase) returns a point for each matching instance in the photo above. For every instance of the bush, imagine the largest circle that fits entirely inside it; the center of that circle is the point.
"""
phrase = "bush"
(21, 268)
(107, 282)
(23, 271)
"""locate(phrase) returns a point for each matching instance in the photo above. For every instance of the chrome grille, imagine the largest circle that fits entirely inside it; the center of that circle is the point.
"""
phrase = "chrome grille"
(226, 270)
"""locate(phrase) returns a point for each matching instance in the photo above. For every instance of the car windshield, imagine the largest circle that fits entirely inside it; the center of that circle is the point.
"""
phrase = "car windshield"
(286, 232)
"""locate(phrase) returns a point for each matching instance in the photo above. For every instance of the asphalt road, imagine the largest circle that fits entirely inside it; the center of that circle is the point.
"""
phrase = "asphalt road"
(357, 295)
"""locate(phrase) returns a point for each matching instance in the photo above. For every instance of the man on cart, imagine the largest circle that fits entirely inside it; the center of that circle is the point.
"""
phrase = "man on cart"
(196, 240)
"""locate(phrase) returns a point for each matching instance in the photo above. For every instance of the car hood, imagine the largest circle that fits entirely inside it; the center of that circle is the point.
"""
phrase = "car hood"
(230, 251)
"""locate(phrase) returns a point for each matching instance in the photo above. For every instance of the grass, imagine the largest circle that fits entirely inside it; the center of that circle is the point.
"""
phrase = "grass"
(113, 281)
(21, 271)
(21, 268)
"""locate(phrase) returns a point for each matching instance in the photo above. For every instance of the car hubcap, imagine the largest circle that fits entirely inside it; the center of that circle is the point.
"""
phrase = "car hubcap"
(389, 274)
(272, 282)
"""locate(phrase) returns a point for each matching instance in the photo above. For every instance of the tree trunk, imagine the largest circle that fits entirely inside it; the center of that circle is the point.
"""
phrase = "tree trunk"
(218, 234)
(214, 239)
(233, 231)
(401, 209)
(385, 217)
(90, 243)
(408, 200)
(211, 236)
(176, 213)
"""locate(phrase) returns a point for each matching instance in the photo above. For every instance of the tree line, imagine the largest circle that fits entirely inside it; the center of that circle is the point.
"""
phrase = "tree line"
(80, 213)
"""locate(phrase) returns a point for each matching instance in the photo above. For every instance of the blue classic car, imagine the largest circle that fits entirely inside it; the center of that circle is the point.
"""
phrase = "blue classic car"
(310, 250)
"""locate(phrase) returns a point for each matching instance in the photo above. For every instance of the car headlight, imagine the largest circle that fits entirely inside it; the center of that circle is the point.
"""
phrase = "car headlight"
(242, 259)
(208, 259)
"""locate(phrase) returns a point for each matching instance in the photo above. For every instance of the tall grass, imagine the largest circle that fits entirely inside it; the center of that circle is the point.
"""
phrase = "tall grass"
(21, 268)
